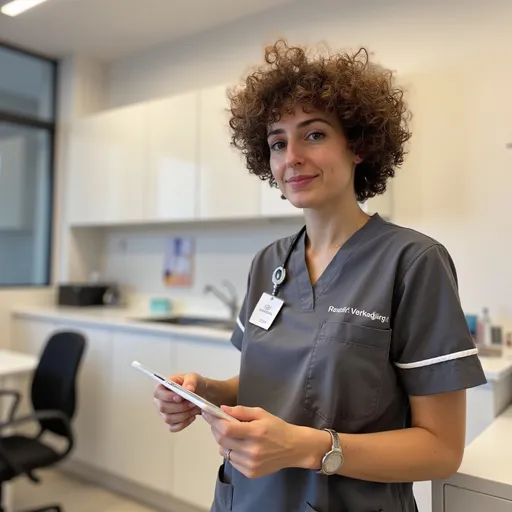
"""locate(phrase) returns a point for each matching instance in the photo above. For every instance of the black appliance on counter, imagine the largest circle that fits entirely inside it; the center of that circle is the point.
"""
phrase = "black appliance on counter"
(83, 294)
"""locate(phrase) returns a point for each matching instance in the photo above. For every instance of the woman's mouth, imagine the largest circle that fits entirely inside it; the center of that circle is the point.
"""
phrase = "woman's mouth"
(300, 181)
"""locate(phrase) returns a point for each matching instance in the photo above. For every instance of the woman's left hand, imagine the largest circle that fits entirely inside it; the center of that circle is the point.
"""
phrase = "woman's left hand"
(260, 444)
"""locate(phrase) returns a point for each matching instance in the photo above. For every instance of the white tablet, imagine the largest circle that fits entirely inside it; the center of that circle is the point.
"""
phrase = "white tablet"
(185, 393)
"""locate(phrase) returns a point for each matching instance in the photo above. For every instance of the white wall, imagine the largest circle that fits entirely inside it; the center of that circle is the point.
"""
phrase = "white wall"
(435, 46)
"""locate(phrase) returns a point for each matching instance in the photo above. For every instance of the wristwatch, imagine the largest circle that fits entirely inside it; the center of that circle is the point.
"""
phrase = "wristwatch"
(333, 459)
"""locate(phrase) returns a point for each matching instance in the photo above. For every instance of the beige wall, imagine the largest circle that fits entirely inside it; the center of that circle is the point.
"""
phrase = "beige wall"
(454, 183)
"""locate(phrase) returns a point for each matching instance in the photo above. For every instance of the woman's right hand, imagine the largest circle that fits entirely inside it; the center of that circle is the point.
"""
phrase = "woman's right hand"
(177, 412)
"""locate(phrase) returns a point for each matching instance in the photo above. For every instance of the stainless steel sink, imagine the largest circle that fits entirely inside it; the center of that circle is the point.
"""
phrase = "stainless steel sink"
(213, 323)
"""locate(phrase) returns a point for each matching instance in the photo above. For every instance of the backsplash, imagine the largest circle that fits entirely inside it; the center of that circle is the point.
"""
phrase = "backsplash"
(135, 259)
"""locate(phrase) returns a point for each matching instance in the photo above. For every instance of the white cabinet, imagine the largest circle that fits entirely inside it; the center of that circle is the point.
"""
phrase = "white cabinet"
(271, 204)
(141, 445)
(172, 158)
(461, 500)
(196, 455)
(226, 189)
(30, 336)
(107, 167)
(95, 398)
(86, 166)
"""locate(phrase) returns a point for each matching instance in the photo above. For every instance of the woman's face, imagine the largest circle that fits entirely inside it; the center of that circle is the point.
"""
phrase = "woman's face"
(310, 159)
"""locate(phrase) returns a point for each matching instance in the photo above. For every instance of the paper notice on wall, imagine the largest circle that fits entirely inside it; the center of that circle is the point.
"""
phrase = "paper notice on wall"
(178, 261)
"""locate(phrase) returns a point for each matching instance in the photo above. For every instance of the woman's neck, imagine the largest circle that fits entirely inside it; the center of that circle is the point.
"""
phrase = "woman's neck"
(330, 228)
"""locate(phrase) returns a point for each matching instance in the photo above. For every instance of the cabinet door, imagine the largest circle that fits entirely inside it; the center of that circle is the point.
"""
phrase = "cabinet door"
(87, 193)
(30, 336)
(271, 204)
(141, 445)
(226, 189)
(125, 173)
(193, 481)
(94, 399)
(172, 158)
(107, 164)
(460, 500)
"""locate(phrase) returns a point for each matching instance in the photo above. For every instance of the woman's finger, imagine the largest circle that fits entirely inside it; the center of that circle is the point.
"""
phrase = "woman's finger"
(177, 427)
(174, 408)
(237, 459)
(172, 419)
(164, 394)
(237, 445)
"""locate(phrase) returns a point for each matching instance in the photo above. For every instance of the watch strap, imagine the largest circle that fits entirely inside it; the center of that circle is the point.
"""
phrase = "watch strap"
(335, 439)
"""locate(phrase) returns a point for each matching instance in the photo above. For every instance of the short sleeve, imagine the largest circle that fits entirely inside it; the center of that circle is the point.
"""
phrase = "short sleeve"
(432, 347)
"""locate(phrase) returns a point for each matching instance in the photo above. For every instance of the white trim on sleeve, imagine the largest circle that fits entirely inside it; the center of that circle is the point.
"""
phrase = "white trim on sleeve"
(240, 324)
(436, 360)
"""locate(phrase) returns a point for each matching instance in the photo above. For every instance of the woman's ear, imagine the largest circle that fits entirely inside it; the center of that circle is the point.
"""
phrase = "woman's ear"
(357, 159)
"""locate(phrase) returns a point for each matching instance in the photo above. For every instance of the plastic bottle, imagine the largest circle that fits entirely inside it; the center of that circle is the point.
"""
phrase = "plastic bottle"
(485, 328)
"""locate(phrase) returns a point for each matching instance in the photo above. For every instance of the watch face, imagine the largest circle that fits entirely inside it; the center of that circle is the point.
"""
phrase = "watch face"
(332, 462)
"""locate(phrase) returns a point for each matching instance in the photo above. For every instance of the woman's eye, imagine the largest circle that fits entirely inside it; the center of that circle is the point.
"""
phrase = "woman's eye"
(276, 146)
(316, 136)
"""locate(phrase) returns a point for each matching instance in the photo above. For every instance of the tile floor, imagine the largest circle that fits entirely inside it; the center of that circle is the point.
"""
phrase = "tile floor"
(73, 495)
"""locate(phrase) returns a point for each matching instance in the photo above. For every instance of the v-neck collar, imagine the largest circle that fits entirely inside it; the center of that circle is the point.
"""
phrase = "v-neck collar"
(309, 293)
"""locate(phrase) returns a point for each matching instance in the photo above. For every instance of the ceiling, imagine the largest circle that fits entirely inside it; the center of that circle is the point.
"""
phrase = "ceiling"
(111, 29)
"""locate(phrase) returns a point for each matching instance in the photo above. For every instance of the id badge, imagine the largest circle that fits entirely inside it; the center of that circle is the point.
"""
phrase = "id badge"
(266, 311)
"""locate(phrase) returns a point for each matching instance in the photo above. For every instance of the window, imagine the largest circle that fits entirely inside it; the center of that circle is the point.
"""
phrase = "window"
(27, 134)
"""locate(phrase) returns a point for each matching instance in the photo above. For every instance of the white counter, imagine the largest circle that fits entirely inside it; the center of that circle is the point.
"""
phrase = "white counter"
(489, 456)
(484, 480)
(495, 368)
(119, 318)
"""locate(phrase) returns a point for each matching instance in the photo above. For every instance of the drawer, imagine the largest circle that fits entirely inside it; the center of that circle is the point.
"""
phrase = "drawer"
(457, 499)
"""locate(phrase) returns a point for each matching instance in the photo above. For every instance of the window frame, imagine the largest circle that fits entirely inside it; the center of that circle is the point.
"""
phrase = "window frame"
(51, 128)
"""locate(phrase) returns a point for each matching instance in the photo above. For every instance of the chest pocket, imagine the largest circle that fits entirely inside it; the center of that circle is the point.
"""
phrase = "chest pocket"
(347, 365)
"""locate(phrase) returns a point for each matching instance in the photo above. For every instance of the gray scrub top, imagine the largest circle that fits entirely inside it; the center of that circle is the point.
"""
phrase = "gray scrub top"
(383, 321)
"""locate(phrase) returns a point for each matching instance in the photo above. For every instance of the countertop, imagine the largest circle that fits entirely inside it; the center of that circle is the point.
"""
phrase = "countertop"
(121, 318)
(495, 368)
(15, 363)
(489, 456)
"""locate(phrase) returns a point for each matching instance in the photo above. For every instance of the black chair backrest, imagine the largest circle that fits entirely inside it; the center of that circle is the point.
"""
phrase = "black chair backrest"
(54, 382)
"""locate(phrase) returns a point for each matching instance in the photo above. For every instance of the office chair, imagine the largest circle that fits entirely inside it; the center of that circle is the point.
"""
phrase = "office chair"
(53, 404)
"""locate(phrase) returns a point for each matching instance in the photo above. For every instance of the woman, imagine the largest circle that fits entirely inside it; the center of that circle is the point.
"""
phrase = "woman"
(354, 367)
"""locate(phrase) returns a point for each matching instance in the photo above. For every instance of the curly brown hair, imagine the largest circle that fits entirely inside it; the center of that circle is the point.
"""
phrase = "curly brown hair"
(370, 108)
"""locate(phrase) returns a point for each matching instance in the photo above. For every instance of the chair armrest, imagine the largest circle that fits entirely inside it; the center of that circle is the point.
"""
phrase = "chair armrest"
(16, 402)
(37, 416)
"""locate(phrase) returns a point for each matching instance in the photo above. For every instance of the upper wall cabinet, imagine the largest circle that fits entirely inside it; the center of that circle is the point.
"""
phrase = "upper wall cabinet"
(272, 205)
(226, 188)
(172, 165)
(168, 160)
(107, 167)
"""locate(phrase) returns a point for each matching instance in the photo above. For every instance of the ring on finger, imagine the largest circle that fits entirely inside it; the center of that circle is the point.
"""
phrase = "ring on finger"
(228, 454)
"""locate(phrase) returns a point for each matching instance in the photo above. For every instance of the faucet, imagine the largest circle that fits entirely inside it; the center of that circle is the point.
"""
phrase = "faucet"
(230, 301)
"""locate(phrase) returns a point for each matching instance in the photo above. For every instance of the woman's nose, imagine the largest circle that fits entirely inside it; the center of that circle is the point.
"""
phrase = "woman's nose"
(294, 155)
